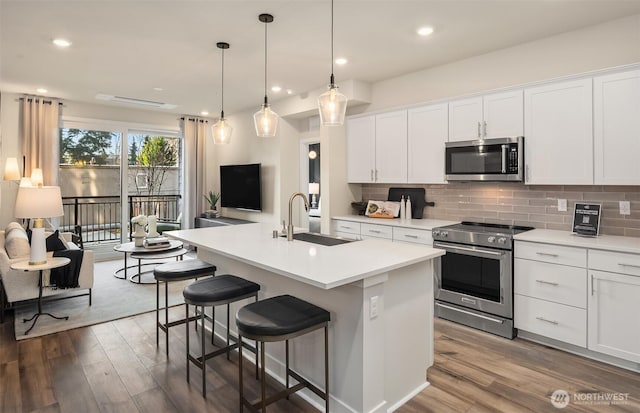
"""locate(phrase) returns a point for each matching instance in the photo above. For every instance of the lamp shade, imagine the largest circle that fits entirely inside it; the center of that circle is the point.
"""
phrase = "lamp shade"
(265, 121)
(333, 106)
(314, 188)
(11, 170)
(36, 177)
(221, 131)
(42, 202)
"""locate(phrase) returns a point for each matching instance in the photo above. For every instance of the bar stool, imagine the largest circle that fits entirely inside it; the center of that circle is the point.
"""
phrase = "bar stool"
(211, 292)
(176, 271)
(276, 319)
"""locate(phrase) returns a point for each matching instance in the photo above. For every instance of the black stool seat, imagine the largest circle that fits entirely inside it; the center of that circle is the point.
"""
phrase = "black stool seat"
(221, 288)
(279, 316)
(183, 270)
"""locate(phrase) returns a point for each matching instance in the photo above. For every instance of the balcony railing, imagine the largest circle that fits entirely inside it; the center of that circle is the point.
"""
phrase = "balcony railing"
(99, 217)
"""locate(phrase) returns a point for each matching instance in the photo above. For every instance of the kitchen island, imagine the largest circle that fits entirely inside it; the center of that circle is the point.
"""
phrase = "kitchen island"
(379, 293)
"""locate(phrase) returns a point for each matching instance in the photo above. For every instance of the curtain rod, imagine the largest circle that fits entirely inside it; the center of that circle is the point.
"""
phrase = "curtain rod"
(46, 102)
(194, 120)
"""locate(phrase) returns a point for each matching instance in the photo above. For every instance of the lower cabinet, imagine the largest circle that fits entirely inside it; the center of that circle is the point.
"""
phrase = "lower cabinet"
(357, 230)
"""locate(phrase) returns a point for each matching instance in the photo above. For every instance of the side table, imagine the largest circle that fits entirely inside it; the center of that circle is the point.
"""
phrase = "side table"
(174, 249)
(53, 262)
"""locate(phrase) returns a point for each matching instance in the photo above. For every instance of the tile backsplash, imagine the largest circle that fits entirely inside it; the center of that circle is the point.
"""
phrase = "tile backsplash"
(519, 204)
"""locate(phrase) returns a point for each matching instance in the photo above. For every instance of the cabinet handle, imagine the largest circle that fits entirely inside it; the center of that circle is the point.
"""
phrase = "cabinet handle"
(411, 236)
(547, 282)
(376, 175)
(478, 130)
(592, 285)
(526, 173)
(344, 227)
(375, 231)
(484, 127)
(548, 254)
(628, 265)
(372, 176)
(555, 323)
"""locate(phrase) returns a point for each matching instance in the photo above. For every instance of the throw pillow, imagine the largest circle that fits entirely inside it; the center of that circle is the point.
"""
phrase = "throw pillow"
(54, 243)
(11, 227)
(16, 244)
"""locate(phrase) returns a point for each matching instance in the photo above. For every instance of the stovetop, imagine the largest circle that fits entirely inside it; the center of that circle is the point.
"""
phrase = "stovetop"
(480, 233)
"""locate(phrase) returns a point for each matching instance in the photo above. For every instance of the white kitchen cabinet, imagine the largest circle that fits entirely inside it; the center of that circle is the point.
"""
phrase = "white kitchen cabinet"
(614, 304)
(361, 150)
(558, 133)
(377, 148)
(345, 229)
(427, 132)
(495, 115)
(616, 128)
(391, 231)
(376, 231)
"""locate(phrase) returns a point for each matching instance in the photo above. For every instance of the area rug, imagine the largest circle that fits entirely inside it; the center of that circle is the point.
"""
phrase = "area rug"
(113, 298)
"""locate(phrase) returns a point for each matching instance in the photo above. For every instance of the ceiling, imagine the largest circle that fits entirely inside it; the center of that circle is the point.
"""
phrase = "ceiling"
(128, 48)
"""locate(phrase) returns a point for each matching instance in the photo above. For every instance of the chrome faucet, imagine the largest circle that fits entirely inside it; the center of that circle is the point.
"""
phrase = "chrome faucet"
(306, 207)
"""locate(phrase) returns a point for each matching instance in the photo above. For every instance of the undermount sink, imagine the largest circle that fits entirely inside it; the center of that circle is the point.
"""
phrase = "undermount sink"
(326, 240)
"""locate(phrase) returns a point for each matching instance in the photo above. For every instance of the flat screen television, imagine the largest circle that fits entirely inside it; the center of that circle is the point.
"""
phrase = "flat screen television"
(241, 187)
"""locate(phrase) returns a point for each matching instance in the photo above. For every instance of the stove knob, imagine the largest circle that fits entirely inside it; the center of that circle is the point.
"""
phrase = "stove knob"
(436, 233)
(444, 233)
(491, 240)
(502, 240)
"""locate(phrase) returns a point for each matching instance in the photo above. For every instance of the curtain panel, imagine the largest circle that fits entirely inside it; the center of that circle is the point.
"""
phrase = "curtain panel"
(40, 134)
(194, 131)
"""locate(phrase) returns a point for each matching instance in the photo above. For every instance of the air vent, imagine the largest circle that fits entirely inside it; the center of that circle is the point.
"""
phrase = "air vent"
(133, 101)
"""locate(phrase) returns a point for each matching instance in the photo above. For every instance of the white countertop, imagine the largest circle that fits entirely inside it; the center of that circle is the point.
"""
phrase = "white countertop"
(601, 242)
(427, 224)
(317, 265)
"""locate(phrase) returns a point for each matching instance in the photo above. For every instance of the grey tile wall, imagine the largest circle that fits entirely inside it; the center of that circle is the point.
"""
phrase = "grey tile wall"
(519, 204)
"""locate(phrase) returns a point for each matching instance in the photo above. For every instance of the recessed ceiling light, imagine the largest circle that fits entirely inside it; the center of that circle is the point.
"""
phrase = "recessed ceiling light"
(341, 61)
(289, 92)
(158, 89)
(276, 88)
(204, 113)
(425, 31)
(41, 90)
(62, 42)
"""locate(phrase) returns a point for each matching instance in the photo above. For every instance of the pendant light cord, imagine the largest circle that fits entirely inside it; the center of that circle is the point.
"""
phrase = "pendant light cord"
(222, 88)
(265, 62)
(332, 80)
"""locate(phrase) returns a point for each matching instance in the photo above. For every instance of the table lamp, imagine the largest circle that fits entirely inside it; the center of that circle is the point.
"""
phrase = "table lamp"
(11, 170)
(37, 203)
(314, 189)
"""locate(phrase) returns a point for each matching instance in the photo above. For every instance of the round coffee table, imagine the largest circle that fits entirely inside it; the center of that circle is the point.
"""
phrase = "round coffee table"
(173, 250)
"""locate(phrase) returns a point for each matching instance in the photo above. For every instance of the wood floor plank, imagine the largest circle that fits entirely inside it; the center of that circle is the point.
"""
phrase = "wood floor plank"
(10, 389)
(108, 389)
(35, 378)
(70, 385)
(155, 401)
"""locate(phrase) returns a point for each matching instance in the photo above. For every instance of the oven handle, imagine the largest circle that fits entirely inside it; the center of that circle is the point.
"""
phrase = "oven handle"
(504, 158)
(468, 249)
(495, 320)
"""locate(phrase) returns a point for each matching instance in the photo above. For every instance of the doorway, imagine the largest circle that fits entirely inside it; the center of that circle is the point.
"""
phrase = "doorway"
(310, 181)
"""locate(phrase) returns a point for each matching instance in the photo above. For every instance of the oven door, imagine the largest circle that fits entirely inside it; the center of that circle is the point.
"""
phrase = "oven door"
(475, 277)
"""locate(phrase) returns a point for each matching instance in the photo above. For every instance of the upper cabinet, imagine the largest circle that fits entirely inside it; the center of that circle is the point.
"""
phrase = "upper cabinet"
(427, 133)
(616, 128)
(377, 148)
(558, 133)
(491, 116)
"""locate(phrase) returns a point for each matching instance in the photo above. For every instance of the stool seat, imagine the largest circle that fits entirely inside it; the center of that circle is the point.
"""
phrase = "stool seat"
(183, 270)
(278, 316)
(218, 289)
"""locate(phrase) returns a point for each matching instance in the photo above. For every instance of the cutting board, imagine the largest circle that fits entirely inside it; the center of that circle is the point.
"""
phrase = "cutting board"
(418, 201)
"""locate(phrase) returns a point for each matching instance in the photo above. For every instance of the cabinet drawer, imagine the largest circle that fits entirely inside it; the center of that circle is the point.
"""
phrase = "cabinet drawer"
(347, 235)
(615, 262)
(419, 236)
(555, 254)
(551, 282)
(346, 227)
(556, 321)
(377, 231)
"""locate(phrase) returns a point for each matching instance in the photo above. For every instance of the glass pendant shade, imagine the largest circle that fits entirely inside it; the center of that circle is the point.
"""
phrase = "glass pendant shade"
(221, 131)
(266, 122)
(333, 106)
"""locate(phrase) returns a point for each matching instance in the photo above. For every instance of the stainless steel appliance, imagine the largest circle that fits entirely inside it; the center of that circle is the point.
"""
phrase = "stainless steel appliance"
(495, 159)
(474, 279)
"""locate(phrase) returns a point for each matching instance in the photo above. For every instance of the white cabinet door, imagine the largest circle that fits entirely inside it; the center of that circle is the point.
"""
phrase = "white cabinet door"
(616, 128)
(391, 147)
(558, 133)
(614, 325)
(503, 114)
(465, 119)
(426, 136)
(361, 152)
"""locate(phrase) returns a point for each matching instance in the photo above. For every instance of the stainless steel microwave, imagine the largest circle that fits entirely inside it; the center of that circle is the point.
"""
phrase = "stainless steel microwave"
(495, 159)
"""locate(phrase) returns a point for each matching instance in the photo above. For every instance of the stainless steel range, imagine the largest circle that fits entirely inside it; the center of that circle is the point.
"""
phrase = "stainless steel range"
(474, 279)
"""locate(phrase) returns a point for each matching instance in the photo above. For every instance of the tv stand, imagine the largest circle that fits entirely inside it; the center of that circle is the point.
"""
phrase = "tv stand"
(218, 222)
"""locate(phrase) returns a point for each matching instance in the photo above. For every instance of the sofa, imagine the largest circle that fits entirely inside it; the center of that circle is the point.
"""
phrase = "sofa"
(17, 286)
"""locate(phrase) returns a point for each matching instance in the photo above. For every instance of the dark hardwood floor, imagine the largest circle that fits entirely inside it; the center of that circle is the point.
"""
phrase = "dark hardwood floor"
(115, 367)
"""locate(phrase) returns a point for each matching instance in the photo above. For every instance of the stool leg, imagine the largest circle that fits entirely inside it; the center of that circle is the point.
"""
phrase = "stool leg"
(166, 315)
(228, 328)
(186, 306)
(157, 313)
(213, 322)
(286, 364)
(204, 364)
(326, 368)
(263, 383)
(241, 384)
(256, 343)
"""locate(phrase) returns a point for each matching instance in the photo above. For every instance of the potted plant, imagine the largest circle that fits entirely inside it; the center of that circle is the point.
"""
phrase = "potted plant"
(212, 199)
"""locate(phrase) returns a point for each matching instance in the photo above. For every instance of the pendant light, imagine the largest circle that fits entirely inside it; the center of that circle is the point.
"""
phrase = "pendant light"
(332, 104)
(265, 120)
(221, 129)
